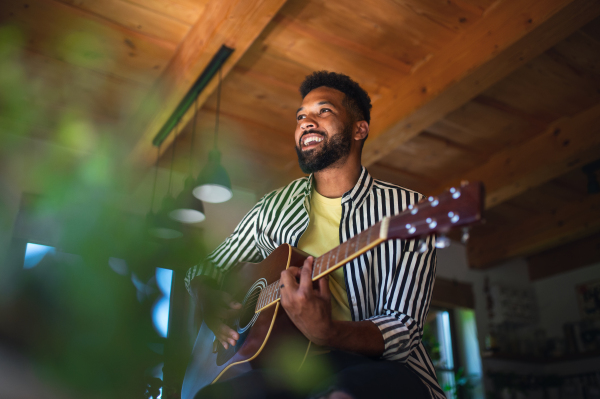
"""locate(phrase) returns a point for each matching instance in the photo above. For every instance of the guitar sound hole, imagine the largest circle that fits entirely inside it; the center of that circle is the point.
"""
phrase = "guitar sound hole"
(248, 315)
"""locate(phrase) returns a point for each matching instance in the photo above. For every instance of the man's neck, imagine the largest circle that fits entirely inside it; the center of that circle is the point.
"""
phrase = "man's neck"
(334, 181)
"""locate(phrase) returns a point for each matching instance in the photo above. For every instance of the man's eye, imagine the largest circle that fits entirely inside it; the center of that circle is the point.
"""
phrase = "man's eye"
(325, 110)
(299, 117)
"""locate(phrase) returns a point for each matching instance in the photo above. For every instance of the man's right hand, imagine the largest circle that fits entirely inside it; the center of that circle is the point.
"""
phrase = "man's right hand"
(217, 308)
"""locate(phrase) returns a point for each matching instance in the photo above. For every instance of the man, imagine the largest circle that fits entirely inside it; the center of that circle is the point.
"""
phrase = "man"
(369, 312)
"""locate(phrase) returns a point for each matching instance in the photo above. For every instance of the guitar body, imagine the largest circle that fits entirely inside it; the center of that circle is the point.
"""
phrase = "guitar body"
(261, 334)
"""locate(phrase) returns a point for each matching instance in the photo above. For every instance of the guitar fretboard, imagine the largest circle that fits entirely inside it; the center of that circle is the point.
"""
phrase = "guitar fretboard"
(330, 261)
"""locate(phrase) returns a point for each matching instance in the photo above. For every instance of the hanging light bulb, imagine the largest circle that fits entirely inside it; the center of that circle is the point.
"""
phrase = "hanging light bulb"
(157, 224)
(188, 208)
(213, 183)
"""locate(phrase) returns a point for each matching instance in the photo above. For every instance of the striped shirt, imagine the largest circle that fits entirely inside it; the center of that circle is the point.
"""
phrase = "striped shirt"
(390, 284)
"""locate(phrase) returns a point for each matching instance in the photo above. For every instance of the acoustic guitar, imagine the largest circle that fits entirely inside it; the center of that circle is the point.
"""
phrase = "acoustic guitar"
(263, 326)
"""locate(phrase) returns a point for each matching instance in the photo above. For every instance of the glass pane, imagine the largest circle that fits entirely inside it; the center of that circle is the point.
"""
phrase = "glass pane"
(160, 310)
(34, 253)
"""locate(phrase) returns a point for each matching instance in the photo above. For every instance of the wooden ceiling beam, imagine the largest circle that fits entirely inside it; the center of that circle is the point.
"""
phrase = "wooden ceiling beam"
(566, 144)
(507, 37)
(574, 220)
(234, 23)
(565, 258)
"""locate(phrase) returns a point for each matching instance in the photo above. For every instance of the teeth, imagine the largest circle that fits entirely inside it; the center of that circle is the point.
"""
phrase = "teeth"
(312, 139)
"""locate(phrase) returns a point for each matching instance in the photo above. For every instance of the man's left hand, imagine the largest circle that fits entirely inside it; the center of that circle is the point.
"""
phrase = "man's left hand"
(307, 304)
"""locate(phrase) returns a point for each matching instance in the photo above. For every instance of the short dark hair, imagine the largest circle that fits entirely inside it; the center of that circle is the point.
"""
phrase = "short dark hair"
(356, 99)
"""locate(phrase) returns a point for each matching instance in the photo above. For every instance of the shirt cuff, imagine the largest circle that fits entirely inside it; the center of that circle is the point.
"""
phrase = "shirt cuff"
(397, 336)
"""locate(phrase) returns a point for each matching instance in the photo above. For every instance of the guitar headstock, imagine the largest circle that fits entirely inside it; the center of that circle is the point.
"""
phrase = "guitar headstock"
(456, 207)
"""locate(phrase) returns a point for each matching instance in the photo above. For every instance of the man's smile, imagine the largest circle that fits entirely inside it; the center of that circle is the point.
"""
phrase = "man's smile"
(310, 141)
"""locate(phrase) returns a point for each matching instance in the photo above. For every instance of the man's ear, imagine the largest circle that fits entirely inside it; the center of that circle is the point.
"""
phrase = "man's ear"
(361, 130)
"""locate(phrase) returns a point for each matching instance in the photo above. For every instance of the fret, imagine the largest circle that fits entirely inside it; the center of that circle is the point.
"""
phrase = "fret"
(357, 244)
(346, 245)
(337, 255)
(369, 235)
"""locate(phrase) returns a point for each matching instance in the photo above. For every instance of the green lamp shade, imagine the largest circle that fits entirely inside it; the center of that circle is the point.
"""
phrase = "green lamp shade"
(188, 208)
(213, 184)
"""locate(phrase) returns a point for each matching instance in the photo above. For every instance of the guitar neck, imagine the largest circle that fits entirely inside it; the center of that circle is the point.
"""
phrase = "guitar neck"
(334, 259)
(453, 208)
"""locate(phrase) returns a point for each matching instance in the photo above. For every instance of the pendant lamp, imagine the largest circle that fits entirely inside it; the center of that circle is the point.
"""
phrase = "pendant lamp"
(188, 208)
(213, 183)
(158, 224)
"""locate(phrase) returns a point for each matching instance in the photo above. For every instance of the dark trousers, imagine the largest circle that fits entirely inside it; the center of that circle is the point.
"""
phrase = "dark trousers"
(355, 375)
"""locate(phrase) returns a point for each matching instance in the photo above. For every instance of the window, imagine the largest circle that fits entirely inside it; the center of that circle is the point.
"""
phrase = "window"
(34, 253)
(160, 310)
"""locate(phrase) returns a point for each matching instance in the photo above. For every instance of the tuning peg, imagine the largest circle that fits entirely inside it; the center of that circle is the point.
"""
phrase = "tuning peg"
(442, 241)
(455, 193)
(465, 235)
(422, 245)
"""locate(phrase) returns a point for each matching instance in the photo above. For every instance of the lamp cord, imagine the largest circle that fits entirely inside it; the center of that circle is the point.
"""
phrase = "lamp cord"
(173, 155)
(218, 110)
(193, 135)
(155, 177)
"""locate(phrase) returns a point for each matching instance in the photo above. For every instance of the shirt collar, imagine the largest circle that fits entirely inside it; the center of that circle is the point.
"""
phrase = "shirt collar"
(357, 194)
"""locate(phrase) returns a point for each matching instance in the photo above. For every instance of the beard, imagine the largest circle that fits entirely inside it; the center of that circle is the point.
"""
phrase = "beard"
(329, 152)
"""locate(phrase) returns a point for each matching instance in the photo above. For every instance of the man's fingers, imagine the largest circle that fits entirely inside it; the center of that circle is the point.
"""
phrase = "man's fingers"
(288, 281)
(294, 271)
(224, 313)
(324, 288)
(229, 301)
(306, 275)
(226, 332)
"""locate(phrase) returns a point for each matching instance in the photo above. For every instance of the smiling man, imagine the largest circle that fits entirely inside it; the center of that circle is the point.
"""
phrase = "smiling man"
(369, 313)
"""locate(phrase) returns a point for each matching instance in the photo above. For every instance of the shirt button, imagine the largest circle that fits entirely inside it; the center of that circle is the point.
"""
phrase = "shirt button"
(353, 300)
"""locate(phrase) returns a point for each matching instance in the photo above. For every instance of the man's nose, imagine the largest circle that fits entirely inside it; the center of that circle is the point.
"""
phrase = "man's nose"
(308, 123)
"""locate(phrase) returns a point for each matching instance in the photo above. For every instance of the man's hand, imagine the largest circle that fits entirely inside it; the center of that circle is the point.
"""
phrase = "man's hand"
(308, 305)
(217, 307)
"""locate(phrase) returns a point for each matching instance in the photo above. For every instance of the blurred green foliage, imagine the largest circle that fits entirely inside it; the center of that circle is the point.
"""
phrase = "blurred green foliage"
(84, 328)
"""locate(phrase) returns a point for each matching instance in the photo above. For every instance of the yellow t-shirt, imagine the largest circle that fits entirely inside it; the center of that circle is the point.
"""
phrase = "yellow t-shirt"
(322, 235)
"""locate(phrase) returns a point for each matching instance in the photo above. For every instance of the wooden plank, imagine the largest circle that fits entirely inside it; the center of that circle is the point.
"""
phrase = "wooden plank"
(508, 36)
(58, 86)
(565, 258)
(567, 144)
(533, 234)
(315, 54)
(430, 156)
(253, 100)
(186, 11)
(135, 18)
(68, 34)
(452, 293)
(547, 88)
(234, 23)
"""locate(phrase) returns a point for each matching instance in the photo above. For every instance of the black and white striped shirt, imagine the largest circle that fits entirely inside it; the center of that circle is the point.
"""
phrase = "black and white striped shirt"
(390, 284)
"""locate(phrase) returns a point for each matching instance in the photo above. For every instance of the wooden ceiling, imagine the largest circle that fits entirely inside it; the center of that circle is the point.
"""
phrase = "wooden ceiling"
(501, 91)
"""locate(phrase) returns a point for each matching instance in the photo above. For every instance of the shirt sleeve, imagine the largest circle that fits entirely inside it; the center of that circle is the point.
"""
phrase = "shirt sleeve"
(407, 302)
(240, 246)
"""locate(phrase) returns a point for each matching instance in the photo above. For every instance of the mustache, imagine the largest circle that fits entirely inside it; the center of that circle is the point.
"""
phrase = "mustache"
(310, 131)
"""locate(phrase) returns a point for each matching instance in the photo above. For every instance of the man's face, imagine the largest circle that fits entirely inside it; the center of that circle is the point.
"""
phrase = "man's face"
(323, 131)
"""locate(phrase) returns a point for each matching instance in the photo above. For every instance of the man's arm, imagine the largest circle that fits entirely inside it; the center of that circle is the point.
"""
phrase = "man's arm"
(202, 281)
(309, 306)
(240, 246)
